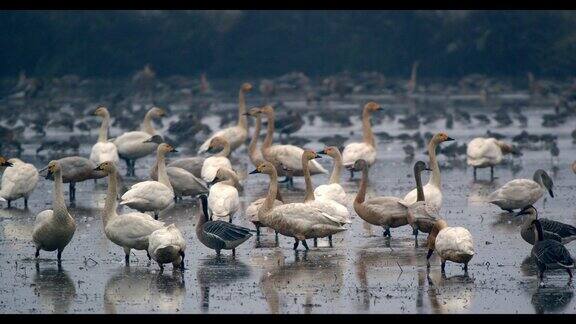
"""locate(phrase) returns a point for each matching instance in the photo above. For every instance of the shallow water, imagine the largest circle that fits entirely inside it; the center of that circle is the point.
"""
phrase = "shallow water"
(363, 273)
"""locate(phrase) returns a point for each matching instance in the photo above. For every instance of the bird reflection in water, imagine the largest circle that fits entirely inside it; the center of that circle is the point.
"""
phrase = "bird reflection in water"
(135, 289)
(218, 272)
(480, 190)
(550, 299)
(55, 289)
(450, 294)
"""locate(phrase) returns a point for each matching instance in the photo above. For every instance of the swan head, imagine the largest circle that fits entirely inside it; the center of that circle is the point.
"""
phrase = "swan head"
(253, 112)
(420, 166)
(372, 107)
(166, 148)
(331, 151)
(217, 142)
(441, 137)
(155, 139)
(108, 167)
(528, 210)
(264, 167)
(4, 162)
(541, 177)
(53, 167)
(157, 112)
(267, 110)
(101, 111)
(360, 165)
(310, 155)
(508, 148)
(246, 87)
(223, 174)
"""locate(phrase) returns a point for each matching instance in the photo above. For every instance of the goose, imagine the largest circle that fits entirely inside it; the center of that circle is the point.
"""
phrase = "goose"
(298, 220)
(379, 211)
(54, 228)
(130, 230)
(488, 152)
(451, 243)
(519, 193)
(131, 145)
(432, 190)
(219, 235)
(167, 245)
(19, 180)
(235, 135)
(285, 156)
(190, 164)
(338, 211)
(183, 182)
(549, 254)
(366, 149)
(254, 153)
(103, 150)
(421, 214)
(76, 169)
(152, 195)
(333, 190)
(223, 199)
(219, 160)
(552, 230)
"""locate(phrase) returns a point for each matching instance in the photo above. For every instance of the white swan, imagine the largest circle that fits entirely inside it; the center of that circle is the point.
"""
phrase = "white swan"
(223, 199)
(54, 228)
(335, 209)
(283, 157)
(366, 149)
(238, 134)
(519, 193)
(152, 195)
(130, 230)
(333, 190)
(19, 180)
(103, 150)
(451, 243)
(487, 152)
(218, 160)
(167, 245)
(433, 189)
(299, 220)
(131, 145)
(254, 153)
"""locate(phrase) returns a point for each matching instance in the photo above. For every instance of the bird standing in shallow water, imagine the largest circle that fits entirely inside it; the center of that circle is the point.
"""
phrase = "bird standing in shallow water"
(549, 254)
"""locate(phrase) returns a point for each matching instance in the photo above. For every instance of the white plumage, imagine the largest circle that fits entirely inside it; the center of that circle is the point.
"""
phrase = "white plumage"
(517, 193)
(148, 196)
(332, 191)
(337, 211)
(455, 244)
(254, 207)
(166, 244)
(131, 145)
(211, 166)
(223, 201)
(19, 180)
(356, 151)
(483, 152)
(432, 194)
(131, 230)
(290, 157)
(235, 135)
(104, 151)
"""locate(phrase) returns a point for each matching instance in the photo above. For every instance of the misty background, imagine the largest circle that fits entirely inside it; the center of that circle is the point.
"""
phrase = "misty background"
(234, 43)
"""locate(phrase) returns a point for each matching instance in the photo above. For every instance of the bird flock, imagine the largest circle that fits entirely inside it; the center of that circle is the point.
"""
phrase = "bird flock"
(325, 210)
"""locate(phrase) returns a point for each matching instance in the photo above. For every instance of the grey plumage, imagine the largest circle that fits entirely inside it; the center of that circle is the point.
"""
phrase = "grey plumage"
(551, 230)
(549, 254)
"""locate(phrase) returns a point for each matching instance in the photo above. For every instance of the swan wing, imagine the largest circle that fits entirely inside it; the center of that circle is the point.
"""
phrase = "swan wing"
(104, 151)
(223, 200)
(388, 206)
(332, 191)
(254, 207)
(356, 151)
(149, 191)
(483, 151)
(211, 166)
(517, 190)
(234, 135)
(133, 226)
(454, 239)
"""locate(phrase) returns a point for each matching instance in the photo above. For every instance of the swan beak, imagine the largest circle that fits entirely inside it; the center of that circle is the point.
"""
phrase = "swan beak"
(148, 141)
(379, 109)
(174, 150)
(246, 114)
(321, 152)
(449, 139)
(7, 164)
(520, 213)
(427, 169)
(551, 192)
(318, 156)
(254, 172)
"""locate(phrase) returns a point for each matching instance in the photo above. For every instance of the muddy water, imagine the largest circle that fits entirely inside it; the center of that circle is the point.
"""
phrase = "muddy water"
(363, 273)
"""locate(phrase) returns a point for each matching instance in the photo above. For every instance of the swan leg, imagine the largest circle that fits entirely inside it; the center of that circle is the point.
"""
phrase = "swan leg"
(291, 183)
(127, 256)
(296, 244)
(218, 253)
(233, 253)
(474, 173)
(148, 255)
(387, 232)
(161, 267)
(9, 203)
(286, 179)
(491, 173)
(277, 241)
(59, 256)
(466, 267)
(127, 167)
(156, 215)
(351, 174)
(182, 261)
(443, 265)
(37, 254)
(415, 233)
(25, 202)
(72, 189)
(315, 242)
(305, 245)
(569, 272)
(258, 231)
(330, 240)
(430, 251)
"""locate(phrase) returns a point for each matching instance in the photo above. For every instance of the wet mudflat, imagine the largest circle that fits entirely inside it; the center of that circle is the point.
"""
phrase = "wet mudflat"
(363, 273)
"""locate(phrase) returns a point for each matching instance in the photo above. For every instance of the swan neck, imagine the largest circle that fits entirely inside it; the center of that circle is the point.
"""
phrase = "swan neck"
(435, 178)
(242, 119)
(419, 189)
(272, 192)
(58, 203)
(147, 124)
(103, 133)
(254, 142)
(225, 152)
(111, 195)
(308, 179)
(361, 195)
(368, 136)
(162, 174)
(337, 169)
(269, 131)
